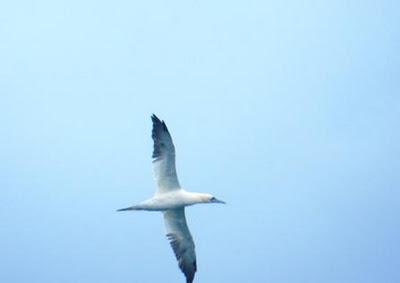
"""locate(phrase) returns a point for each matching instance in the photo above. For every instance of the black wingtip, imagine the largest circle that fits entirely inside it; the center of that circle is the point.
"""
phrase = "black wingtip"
(154, 118)
(189, 278)
(158, 124)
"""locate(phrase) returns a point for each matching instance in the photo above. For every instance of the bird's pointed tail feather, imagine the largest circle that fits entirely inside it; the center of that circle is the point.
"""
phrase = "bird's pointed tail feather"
(135, 207)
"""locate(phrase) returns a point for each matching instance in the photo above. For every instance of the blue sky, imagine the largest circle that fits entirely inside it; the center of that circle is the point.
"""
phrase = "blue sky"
(287, 110)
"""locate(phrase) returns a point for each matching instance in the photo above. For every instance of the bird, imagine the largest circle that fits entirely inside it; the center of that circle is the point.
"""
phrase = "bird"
(171, 199)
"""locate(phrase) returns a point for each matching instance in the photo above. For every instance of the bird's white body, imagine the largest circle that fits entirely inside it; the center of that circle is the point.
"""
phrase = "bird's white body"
(180, 198)
(171, 199)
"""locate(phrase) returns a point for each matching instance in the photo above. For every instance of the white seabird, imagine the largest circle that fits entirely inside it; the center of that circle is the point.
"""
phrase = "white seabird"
(171, 199)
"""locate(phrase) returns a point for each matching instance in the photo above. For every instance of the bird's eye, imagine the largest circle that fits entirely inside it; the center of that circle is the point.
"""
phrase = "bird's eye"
(212, 199)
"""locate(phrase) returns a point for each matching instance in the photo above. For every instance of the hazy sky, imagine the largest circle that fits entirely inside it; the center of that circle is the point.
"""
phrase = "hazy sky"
(287, 110)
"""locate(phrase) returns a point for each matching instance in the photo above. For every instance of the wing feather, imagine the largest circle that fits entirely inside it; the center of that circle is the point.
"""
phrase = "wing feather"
(163, 157)
(181, 241)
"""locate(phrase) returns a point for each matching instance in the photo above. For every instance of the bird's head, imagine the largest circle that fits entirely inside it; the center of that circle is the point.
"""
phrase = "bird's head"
(208, 198)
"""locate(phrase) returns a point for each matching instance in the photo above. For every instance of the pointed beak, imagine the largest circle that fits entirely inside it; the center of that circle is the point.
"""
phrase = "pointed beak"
(218, 201)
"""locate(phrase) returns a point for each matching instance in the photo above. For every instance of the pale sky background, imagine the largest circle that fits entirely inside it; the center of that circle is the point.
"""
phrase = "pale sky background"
(287, 110)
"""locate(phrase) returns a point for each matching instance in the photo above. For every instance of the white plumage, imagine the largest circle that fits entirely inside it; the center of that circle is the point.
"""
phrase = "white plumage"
(171, 199)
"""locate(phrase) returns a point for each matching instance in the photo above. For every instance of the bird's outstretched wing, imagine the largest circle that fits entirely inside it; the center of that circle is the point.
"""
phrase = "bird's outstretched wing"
(181, 241)
(163, 157)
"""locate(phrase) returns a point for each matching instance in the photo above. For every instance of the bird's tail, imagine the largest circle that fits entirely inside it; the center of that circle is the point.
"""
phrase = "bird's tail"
(134, 207)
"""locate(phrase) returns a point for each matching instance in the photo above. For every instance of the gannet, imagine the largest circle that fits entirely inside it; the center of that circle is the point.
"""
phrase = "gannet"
(171, 199)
